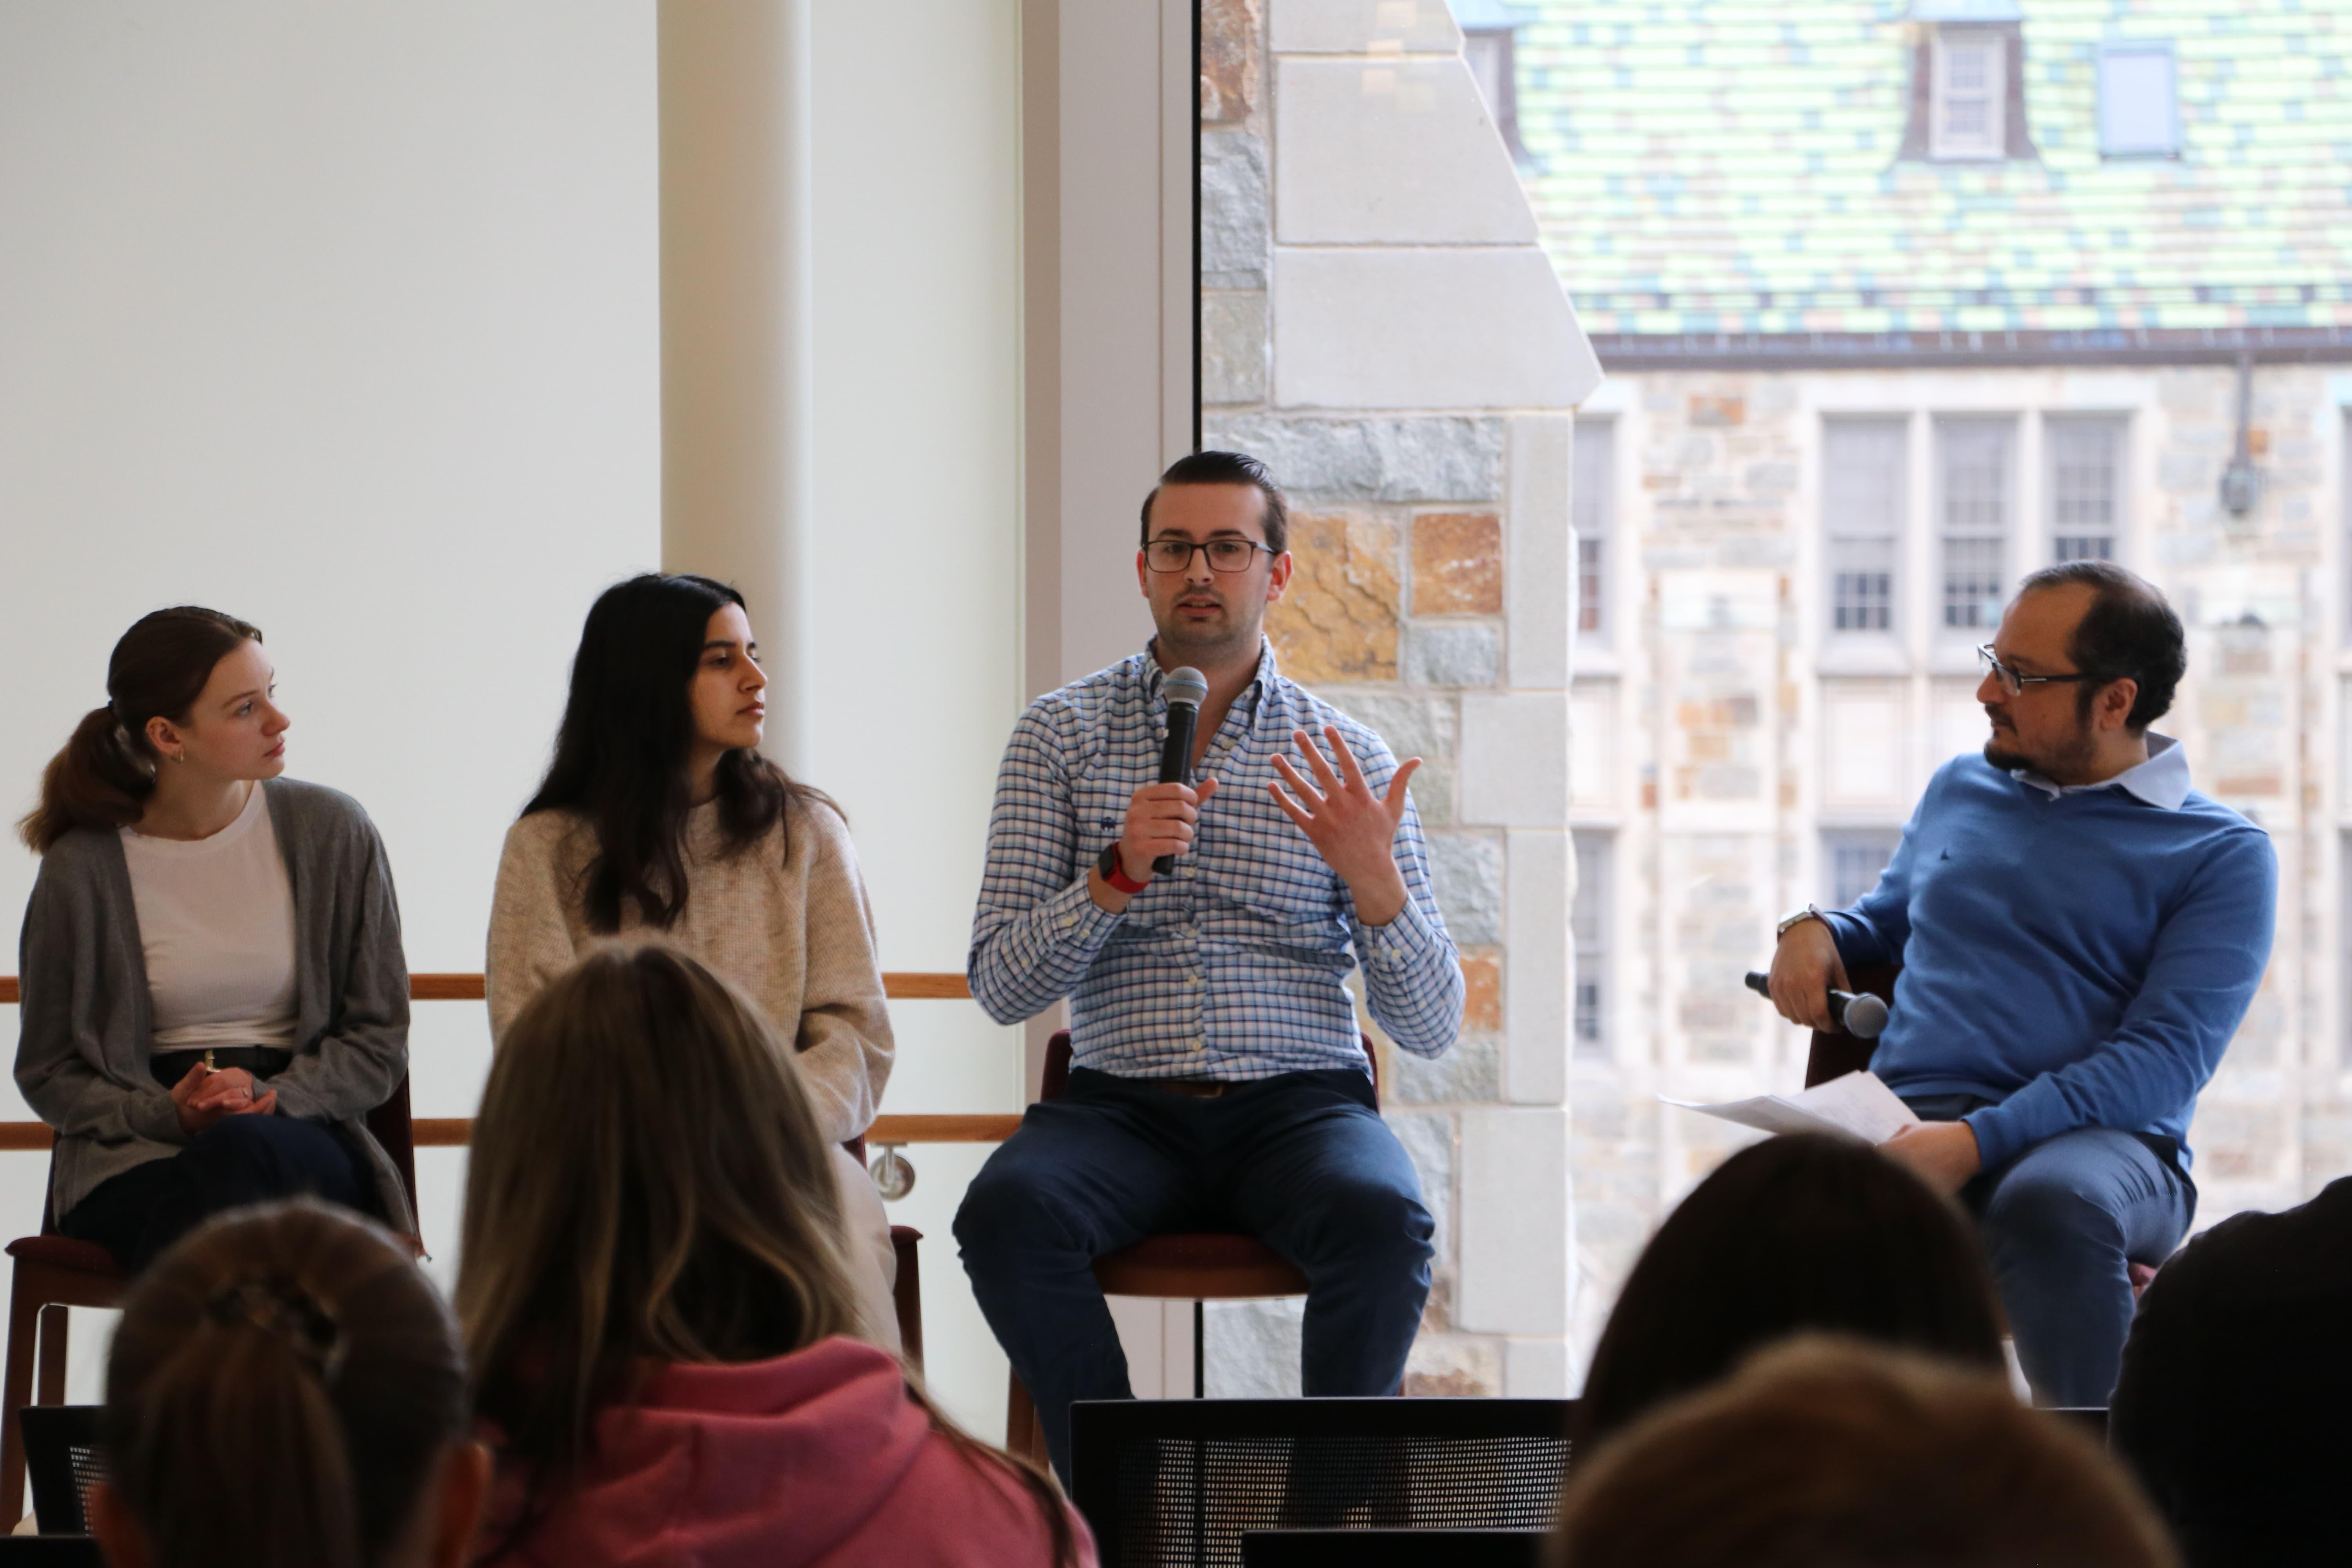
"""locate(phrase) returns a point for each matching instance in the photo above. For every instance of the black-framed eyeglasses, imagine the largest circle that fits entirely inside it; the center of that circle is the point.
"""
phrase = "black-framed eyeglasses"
(1224, 554)
(2014, 681)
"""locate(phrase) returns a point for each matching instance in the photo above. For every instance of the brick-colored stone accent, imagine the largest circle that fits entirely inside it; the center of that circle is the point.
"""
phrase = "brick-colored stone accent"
(1339, 621)
(1457, 563)
(1482, 1001)
(1229, 60)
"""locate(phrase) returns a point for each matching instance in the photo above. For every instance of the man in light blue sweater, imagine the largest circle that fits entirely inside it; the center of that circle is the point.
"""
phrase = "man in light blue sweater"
(2079, 933)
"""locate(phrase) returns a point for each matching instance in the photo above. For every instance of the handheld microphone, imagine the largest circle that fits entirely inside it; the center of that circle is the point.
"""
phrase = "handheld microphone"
(1185, 690)
(1861, 1016)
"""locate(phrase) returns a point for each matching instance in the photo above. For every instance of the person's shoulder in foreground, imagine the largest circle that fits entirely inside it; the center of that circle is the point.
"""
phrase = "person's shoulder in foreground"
(853, 1471)
(2232, 1401)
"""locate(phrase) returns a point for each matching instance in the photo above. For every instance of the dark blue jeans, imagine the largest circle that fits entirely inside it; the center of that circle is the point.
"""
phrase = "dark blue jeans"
(1302, 1162)
(2061, 1223)
(236, 1161)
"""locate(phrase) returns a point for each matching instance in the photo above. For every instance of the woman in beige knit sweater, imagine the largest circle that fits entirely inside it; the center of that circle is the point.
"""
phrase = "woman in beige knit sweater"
(659, 820)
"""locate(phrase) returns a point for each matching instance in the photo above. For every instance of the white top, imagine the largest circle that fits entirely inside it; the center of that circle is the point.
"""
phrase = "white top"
(216, 923)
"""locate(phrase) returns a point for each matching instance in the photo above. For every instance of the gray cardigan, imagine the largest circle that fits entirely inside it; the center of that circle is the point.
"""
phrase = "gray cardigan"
(88, 1023)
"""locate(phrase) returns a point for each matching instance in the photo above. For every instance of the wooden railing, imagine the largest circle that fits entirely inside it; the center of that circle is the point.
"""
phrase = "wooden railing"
(456, 1132)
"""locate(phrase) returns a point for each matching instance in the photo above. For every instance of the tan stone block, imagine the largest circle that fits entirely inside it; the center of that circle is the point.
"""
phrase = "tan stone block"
(1339, 621)
(1482, 1000)
(1717, 411)
(1229, 60)
(1457, 563)
(1453, 1366)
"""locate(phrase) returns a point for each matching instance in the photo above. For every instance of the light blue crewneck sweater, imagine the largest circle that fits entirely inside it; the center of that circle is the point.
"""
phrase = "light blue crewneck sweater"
(2082, 956)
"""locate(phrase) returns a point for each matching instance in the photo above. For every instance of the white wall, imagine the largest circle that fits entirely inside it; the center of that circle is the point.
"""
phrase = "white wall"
(344, 319)
(914, 540)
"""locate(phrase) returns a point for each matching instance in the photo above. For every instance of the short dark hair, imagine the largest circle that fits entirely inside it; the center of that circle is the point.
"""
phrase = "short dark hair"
(2128, 631)
(1227, 468)
(1798, 1233)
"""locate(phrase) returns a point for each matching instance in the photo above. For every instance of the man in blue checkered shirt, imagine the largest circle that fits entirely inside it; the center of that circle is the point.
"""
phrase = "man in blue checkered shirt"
(1218, 1078)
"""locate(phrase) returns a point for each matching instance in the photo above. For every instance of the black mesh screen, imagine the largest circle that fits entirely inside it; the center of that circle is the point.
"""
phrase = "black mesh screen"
(1188, 1500)
(86, 1473)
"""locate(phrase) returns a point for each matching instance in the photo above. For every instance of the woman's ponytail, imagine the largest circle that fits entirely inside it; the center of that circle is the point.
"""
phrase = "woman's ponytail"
(103, 777)
(240, 1380)
(295, 1343)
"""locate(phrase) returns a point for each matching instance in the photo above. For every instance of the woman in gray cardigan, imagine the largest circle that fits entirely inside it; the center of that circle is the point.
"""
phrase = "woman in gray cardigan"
(213, 992)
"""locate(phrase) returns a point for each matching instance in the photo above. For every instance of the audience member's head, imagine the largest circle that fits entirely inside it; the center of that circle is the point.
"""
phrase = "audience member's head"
(286, 1388)
(1793, 1234)
(2235, 1400)
(648, 1183)
(1833, 1454)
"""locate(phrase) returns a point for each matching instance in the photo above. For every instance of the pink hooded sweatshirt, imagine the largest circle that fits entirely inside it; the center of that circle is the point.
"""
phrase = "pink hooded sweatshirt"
(819, 1458)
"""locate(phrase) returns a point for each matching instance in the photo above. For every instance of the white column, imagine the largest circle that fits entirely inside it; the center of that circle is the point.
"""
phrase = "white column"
(736, 346)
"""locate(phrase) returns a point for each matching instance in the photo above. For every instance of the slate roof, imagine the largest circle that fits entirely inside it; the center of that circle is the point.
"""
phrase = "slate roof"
(1731, 166)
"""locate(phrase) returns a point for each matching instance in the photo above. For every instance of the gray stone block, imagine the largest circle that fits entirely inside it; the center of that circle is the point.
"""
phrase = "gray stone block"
(1437, 459)
(1468, 874)
(1254, 1348)
(1428, 1140)
(1471, 1073)
(1236, 228)
(1232, 345)
(1452, 656)
(1413, 726)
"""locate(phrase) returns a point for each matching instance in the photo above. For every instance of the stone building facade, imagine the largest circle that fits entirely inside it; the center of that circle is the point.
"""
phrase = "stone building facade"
(1381, 326)
(1737, 752)
(1900, 300)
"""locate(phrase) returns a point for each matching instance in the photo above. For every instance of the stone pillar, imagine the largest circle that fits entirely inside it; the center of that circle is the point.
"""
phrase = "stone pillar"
(736, 315)
(1381, 327)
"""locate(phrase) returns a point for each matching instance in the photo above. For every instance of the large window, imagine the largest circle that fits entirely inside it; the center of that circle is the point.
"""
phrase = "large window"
(2086, 487)
(1594, 509)
(1589, 920)
(1852, 858)
(1972, 514)
(1861, 520)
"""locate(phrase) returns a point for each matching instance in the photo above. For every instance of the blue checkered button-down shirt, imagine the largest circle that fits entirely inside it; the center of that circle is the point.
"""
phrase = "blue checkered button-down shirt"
(1230, 967)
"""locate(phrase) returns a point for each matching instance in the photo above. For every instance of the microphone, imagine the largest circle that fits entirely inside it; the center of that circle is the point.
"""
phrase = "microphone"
(1186, 689)
(1861, 1016)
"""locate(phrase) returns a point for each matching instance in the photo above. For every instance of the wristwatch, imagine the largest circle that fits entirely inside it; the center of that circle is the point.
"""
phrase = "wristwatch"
(1115, 873)
(1795, 917)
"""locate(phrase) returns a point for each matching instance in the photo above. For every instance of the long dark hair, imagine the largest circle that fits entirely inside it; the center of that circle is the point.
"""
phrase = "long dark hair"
(620, 753)
(304, 1340)
(107, 771)
(648, 1184)
(1797, 1233)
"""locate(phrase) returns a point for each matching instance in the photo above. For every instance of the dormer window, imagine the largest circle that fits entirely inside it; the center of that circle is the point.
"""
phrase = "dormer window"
(1968, 95)
(1968, 98)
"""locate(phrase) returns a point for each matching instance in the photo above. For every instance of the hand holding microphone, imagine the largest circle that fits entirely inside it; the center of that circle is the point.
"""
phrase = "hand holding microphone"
(1862, 1015)
(1809, 986)
(1161, 817)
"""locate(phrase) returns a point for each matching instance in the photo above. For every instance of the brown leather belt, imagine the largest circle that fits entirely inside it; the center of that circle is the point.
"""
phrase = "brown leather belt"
(1190, 1088)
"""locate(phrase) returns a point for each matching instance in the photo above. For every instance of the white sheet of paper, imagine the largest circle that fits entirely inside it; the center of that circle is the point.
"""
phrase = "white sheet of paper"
(1857, 1105)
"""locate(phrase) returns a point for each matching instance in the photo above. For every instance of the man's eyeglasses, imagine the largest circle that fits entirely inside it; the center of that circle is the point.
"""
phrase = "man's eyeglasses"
(1224, 554)
(2014, 681)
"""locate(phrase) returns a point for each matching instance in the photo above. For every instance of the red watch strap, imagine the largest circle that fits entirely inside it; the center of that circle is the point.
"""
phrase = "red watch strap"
(1115, 872)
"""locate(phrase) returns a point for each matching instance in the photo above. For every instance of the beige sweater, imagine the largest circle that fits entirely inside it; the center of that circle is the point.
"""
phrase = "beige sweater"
(796, 935)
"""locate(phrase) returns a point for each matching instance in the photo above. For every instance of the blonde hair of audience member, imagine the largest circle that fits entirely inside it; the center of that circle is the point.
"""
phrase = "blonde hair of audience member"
(1824, 1453)
(286, 1390)
(648, 1184)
